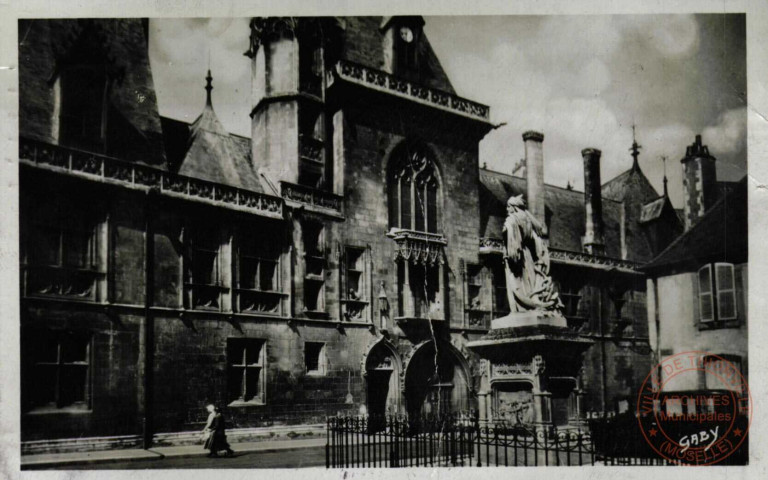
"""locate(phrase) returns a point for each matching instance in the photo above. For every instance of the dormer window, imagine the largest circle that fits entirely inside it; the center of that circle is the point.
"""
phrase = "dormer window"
(402, 36)
(82, 90)
(406, 53)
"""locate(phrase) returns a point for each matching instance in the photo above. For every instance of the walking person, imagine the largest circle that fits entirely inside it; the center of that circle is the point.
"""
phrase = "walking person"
(215, 433)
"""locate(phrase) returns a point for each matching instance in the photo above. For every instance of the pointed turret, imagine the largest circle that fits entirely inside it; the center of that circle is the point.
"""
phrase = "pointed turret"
(213, 154)
(635, 149)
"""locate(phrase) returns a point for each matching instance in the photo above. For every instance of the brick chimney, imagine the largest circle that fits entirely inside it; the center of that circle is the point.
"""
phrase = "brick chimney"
(534, 166)
(699, 182)
(594, 241)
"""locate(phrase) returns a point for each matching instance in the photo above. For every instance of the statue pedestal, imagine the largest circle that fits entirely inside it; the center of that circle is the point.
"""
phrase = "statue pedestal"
(534, 361)
(528, 319)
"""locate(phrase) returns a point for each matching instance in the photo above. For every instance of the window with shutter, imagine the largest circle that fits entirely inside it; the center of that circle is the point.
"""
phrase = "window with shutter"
(726, 291)
(706, 307)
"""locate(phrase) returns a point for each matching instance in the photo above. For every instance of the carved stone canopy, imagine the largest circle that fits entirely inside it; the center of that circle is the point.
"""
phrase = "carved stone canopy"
(265, 27)
(418, 248)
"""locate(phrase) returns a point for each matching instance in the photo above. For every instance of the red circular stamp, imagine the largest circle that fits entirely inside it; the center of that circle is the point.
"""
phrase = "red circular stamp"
(695, 408)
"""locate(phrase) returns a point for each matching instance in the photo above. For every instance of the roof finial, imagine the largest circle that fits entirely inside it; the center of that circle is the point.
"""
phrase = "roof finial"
(635, 150)
(664, 161)
(208, 88)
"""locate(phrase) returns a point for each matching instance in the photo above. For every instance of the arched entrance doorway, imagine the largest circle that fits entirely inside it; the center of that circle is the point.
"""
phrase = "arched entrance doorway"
(382, 374)
(436, 390)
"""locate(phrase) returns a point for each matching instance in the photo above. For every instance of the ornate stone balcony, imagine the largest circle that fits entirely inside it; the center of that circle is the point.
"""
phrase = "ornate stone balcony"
(418, 247)
(384, 82)
(314, 199)
(495, 246)
(97, 167)
(593, 261)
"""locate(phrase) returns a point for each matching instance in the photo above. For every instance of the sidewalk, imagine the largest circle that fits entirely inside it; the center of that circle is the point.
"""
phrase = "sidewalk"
(72, 460)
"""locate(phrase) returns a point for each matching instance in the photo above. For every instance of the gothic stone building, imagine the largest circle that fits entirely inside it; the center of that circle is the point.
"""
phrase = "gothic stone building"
(325, 265)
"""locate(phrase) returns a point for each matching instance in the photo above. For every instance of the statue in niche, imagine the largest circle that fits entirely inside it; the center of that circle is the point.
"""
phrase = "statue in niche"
(526, 261)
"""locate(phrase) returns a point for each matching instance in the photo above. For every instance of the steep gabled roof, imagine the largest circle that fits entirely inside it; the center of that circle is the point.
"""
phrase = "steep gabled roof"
(209, 152)
(565, 216)
(720, 235)
(633, 180)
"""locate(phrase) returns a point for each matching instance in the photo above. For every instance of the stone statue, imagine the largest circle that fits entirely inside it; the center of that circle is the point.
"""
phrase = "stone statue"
(526, 261)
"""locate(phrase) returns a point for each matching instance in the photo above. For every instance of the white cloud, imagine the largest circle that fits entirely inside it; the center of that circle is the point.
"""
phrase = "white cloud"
(728, 136)
(671, 35)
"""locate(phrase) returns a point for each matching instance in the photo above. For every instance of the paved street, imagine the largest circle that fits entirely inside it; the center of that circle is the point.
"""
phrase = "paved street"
(287, 458)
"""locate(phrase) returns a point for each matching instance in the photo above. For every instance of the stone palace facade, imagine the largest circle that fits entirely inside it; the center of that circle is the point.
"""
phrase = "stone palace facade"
(339, 260)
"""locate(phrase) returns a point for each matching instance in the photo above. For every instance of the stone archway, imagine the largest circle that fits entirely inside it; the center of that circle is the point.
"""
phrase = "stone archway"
(382, 367)
(430, 390)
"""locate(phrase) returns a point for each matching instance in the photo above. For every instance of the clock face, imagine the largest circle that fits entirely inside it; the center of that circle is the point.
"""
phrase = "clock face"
(406, 34)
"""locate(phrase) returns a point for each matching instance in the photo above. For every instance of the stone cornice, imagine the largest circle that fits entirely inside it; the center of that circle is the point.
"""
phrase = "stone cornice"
(386, 83)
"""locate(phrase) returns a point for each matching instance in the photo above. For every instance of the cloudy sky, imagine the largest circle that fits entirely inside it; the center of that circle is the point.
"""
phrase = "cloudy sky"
(581, 80)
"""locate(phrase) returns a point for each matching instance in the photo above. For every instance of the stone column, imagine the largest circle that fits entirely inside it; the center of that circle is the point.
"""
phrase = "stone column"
(407, 294)
(442, 294)
(482, 405)
(542, 405)
(594, 242)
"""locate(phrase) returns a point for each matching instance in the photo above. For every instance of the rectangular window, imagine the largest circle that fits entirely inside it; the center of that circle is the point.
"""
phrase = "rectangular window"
(314, 358)
(570, 295)
(474, 287)
(311, 161)
(246, 372)
(61, 250)
(726, 291)
(314, 260)
(355, 273)
(258, 271)
(58, 370)
(202, 272)
(477, 308)
(500, 299)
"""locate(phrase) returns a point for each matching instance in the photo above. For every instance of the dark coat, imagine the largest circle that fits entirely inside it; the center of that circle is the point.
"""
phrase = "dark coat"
(218, 438)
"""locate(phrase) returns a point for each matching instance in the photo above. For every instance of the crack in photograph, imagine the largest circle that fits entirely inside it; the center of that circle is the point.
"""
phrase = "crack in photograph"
(392, 241)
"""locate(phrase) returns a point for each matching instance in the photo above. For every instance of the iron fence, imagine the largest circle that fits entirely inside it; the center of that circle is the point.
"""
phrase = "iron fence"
(460, 439)
(450, 441)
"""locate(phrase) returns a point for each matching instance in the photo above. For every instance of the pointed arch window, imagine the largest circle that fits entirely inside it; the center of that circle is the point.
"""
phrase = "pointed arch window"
(414, 191)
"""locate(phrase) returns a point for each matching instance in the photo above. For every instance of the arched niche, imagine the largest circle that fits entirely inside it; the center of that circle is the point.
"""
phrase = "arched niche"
(381, 369)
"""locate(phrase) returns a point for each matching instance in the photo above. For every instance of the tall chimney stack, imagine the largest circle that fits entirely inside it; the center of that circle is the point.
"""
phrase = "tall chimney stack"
(699, 182)
(534, 166)
(594, 241)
